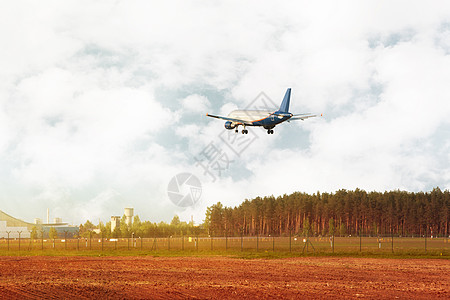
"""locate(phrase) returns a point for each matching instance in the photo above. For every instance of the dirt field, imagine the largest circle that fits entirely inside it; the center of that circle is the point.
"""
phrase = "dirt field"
(221, 277)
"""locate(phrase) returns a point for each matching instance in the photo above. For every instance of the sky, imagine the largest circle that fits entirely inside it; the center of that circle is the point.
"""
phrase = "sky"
(103, 103)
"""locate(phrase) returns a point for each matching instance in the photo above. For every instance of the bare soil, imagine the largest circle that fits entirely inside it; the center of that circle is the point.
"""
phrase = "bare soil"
(221, 277)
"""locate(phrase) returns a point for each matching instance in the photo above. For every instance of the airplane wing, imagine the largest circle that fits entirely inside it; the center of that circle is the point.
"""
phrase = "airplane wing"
(230, 119)
(302, 117)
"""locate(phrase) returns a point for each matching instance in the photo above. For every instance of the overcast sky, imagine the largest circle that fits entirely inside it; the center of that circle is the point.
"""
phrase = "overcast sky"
(102, 103)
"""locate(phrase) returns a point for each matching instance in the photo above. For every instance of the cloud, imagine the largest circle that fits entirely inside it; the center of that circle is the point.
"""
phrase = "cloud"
(91, 118)
(68, 130)
(195, 103)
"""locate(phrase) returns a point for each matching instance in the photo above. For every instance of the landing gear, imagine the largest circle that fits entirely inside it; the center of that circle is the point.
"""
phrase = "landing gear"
(244, 131)
(237, 130)
(269, 131)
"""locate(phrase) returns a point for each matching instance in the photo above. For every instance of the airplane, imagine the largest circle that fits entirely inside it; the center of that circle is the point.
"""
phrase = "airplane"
(266, 119)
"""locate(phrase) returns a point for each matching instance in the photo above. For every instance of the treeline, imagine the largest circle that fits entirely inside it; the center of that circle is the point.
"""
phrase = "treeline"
(138, 228)
(340, 213)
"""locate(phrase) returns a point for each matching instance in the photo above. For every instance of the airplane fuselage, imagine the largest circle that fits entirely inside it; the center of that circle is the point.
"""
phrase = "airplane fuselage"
(267, 119)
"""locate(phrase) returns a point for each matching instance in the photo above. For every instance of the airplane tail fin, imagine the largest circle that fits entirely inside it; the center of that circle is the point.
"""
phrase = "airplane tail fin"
(286, 100)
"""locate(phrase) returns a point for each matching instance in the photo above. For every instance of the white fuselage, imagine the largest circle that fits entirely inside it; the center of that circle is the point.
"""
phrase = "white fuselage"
(250, 115)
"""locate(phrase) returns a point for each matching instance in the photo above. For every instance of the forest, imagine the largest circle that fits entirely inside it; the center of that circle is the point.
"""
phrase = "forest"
(341, 213)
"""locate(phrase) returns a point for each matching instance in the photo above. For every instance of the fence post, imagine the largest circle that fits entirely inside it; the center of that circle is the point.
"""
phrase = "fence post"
(360, 237)
(168, 243)
(90, 240)
(196, 241)
(426, 232)
(19, 238)
(307, 240)
(333, 243)
(211, 236)
(8, 232)
(392, 240)
(30, 246)
(65, 239)
(273, 242)
(242, 240)
(102, 239)
(257, 241)
(42, 239)
(141, 242)
(182, 242)
(154, 243)
(226, 240)
(290, 244)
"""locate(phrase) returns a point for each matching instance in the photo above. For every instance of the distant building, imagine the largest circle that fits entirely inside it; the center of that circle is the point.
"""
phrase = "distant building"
(62, 230)
(115, 223)
(14, 226)
(13, 231)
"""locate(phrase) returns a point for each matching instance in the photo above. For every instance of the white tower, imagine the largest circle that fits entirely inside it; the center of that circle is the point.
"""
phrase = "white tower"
(129, 215)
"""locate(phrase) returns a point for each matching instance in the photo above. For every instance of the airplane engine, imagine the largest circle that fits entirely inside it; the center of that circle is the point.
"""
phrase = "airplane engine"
(229, 125)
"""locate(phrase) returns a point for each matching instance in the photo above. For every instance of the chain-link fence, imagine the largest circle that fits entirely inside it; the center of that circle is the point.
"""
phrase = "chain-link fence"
(301, 244)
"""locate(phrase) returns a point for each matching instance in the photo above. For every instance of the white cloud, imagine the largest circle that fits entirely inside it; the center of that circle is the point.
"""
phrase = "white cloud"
(195, 103)
(90, 109)
(189, 130)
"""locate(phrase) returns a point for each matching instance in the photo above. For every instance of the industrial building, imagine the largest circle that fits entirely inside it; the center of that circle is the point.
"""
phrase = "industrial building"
(115, 223)
(128, 213)
(16, 226)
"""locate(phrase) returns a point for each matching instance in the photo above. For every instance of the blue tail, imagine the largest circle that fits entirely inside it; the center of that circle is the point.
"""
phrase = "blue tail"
(286, 100)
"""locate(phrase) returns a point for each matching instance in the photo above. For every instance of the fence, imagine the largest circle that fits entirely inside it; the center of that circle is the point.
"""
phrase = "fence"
(254, 243)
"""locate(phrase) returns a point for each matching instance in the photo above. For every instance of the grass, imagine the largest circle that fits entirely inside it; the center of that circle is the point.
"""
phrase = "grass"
(252, 254)
(344, 247)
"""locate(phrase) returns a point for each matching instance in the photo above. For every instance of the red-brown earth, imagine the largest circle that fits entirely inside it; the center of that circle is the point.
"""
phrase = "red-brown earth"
(222, 277)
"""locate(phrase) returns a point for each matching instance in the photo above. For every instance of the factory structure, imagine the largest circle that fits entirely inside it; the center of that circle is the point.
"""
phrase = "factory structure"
(115, 220)
(15, 228)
